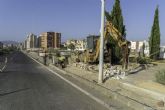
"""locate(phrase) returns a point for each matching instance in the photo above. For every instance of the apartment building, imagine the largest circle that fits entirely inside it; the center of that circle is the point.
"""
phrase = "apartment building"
(39, 42)
(31, 41)
(49, 40)
(25, 44)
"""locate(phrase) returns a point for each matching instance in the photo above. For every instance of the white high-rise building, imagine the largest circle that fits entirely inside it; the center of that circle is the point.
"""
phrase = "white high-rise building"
(31, 41)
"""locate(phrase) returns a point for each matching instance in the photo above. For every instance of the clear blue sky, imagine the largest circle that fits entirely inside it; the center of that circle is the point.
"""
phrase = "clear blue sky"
(75, 18)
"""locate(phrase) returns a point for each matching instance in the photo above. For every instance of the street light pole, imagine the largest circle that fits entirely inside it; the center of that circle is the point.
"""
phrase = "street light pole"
(100, 79)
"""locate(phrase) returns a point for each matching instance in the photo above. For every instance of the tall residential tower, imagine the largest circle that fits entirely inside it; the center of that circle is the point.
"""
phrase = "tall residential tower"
(50, 40)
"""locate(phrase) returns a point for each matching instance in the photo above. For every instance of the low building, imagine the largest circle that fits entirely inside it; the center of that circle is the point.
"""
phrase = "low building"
(133, 46)
(68, 42)
(80, 45)
(140, 47)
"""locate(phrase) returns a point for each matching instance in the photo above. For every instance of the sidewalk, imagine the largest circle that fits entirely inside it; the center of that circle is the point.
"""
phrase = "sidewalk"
(146, 79)
(137, 87)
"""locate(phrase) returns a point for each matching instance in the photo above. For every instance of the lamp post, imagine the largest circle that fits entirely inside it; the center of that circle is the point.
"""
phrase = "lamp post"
(101, 57)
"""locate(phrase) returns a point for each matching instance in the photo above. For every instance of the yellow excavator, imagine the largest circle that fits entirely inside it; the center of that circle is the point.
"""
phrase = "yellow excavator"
(91, 57)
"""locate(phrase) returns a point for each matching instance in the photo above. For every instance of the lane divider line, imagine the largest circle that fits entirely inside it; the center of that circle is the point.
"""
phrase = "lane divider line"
(75, 86)
(1, 70)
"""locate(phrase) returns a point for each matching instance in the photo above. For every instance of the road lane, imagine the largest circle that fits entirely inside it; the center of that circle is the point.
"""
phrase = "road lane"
(25, 85)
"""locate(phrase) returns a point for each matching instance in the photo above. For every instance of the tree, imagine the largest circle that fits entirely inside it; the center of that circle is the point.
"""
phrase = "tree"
(117, 19)
(143, 48)
(71, 46)
(154, 39)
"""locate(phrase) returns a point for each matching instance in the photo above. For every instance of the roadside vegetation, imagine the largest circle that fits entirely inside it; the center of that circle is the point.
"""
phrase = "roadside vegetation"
(160, 77)
(6, 51)
(143, 60)
(154, 39)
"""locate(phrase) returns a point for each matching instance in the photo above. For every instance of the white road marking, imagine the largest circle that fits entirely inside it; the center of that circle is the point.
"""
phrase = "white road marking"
(1, 70)
(75, 86)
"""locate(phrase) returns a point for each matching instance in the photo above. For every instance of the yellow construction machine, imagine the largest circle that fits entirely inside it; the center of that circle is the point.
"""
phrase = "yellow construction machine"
(92, 56)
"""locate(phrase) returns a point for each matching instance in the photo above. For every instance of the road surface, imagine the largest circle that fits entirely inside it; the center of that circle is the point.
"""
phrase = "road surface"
(25, 85)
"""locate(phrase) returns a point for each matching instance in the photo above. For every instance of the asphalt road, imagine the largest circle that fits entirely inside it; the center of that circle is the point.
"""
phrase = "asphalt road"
(25, 85)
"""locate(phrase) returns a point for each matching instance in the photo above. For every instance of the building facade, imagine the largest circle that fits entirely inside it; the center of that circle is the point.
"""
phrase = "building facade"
(39, 42)
(49, 40)
(92, 41)
(146, 48)
(31, 41)
(162, 52)
(80, 45)
(143, 46)
(140, 47)
(25, 44)
(133, 46)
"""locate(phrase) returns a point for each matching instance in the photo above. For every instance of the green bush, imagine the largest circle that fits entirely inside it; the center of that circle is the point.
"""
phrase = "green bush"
(4, 51)
(160, 77)
(133, 59)
(143, 60)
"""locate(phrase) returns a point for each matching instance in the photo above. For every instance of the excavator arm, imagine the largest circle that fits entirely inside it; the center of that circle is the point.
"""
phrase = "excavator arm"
(110, 29)
(117, 36)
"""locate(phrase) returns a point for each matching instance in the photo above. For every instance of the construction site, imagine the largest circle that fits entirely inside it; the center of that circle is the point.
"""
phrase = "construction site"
(131, 80)
(82, 55)
(132, 83)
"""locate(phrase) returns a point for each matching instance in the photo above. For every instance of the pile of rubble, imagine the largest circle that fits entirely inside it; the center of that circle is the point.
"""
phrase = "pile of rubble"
(115, 72)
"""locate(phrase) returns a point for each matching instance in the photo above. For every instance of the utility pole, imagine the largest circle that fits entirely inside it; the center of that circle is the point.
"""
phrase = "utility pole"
(101, 59)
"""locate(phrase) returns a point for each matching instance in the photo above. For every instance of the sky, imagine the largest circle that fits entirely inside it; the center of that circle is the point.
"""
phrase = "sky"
(75, 18)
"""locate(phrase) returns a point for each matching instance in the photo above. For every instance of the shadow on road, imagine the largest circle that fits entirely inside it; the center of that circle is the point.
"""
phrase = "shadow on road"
(15, 91)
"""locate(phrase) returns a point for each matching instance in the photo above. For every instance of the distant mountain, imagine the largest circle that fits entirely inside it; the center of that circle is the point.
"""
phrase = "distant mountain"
(9, 42)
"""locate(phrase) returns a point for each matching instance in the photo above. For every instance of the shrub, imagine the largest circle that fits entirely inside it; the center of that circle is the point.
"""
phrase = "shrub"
(133, 59)
(160, 77)
(143, 60)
